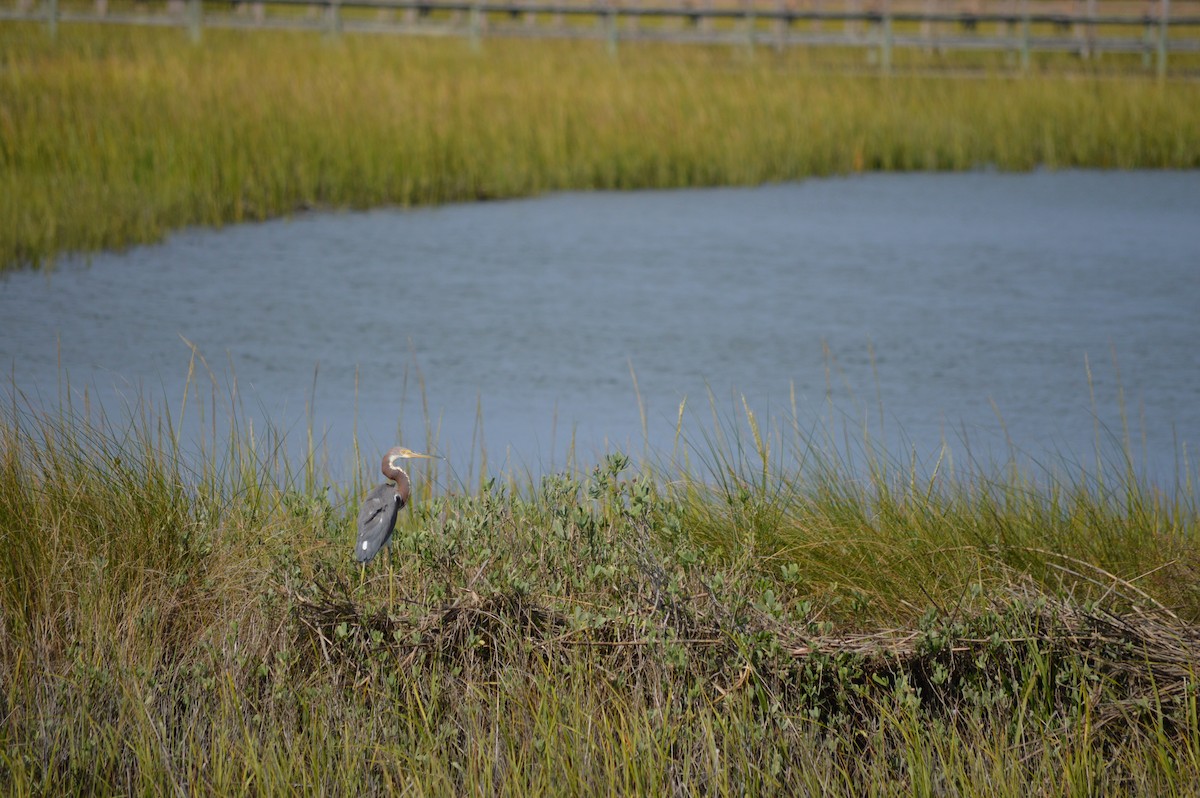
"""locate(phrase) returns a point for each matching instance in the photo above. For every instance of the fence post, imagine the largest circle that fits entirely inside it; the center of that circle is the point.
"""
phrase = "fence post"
(1162, 39)
(333, 18)
(885, 60)
(610, 28)
(475, 24)
(194, 11)
(52, 18)
(750, 23)
(783, 26)
(1089, 31)
(1025, 36)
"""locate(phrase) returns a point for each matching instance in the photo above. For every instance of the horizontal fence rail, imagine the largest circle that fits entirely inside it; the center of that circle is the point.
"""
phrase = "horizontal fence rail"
(1153, 29)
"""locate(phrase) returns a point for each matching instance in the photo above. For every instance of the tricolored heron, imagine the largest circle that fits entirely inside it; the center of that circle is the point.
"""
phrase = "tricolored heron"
(377, 516)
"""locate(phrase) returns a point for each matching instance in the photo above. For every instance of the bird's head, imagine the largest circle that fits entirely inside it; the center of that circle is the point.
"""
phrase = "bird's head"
(398, 453)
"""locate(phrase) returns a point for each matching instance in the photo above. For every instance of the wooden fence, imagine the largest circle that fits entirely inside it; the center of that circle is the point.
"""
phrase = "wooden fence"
(1152, 28)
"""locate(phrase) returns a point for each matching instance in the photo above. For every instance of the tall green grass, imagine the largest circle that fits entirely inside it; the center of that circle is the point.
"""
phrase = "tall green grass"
(757, 618)
(110, 137)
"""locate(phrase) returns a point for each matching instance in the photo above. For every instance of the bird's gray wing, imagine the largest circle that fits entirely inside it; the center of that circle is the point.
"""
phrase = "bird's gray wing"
(376, 519)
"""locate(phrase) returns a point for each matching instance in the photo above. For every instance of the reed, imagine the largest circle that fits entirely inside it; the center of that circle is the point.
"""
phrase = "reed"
(183, 615)
(111, 137)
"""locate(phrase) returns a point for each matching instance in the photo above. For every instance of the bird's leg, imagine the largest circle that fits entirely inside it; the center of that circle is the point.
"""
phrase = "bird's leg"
(391, 578)
(392, 574)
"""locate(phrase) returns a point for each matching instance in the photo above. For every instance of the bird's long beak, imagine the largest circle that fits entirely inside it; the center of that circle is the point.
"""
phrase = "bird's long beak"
(408, 454)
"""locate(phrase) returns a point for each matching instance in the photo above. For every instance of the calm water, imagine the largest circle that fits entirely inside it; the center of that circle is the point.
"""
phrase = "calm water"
(949, 301)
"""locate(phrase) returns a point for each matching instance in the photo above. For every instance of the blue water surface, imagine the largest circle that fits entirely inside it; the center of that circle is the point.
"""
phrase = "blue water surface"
(988, 313)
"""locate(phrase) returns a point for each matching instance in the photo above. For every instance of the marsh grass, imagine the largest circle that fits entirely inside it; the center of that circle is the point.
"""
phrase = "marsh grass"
(111, 137)
(184, 618)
